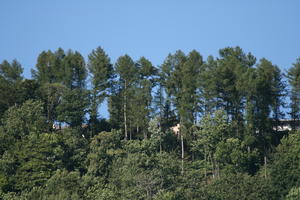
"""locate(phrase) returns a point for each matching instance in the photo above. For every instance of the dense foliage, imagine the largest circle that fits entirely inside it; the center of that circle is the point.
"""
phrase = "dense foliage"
(188, 129)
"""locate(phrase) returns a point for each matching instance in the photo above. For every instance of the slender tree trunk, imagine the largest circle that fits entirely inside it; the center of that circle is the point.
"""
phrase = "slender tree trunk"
(215, 167)
(145, 134)
(212, 165)
(125, 113)
(182, 153)
(265, 166)
(130, 130)
(218, 169)
(205, 159)
(94, 108)
(160, 146)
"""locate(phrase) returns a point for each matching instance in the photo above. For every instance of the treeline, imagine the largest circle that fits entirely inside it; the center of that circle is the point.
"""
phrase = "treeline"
(228, 111)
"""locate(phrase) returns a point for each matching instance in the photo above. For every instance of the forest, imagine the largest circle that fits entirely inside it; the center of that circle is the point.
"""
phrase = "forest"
(190, 128)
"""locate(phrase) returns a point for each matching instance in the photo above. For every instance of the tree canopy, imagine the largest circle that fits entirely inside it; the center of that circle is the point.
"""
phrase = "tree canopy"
(223, 127)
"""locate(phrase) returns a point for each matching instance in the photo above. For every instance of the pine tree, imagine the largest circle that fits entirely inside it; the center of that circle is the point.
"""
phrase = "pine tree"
(10, 81)
(74, 70)
(127, 72)
(11, 71)
(230, 74)
(294, 81)
(101, 72)
(74, 103)
(142, 100)
(49, 75)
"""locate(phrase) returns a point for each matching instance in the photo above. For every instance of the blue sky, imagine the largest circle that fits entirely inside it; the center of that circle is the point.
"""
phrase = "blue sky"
(269, 29)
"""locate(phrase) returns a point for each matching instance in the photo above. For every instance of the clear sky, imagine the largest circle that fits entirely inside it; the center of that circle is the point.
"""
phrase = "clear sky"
(153, 28)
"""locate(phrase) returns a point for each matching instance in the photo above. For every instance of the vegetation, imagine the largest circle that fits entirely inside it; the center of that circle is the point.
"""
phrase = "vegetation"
(54, 144)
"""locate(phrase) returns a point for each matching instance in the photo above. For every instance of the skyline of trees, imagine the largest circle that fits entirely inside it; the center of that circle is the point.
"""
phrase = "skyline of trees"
(228, 109)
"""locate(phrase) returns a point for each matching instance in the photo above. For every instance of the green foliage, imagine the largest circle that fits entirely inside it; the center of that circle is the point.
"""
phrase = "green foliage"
(101, 72)
(213, 129)
(54, 145)
(142, 176)
(127, 73)
(238, 186)
(73, 107)
(234, 156)
(11, 71)
(293, 194)
(19, 121)
(229, 74)
(7, 97)
(286, 165)
(104, 147)
(103, 192)
(10, 82)
(27, 89)
(75, 150)
(31, 161)
(49, 66)
(294, 81)
(51, 94)
(140, 106)
(64, 185)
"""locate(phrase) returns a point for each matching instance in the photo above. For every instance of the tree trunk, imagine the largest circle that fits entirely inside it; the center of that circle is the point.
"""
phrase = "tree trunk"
(130, 131)
(125, 113)
(265, 166)
(210, 159)
(205, 159)
(160, 146)
(182, 152)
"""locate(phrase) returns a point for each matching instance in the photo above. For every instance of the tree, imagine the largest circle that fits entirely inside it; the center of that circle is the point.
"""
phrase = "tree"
(208, 87)
(11, 71)
(139, 175)
(49, 75)
(49, 67)
(29, 155)
(62, 185)
(75, 72)
(142, 97)
(285, 164)
(181, 74)
(293, 194)
(19, 121)
(73, 107)
(189, 94)
(10, 79)
(157, 135)
(241, 186)
(104, 148)
(101, 72)
(294, 81)
(74, 103)
(230, 81)
(213, 130)
(7, 96)
(264, 106)
(52, 94)
(35, 159)
(115, 107)
(162, 104)
(28, 89)
(127, 73)
(233, 156)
